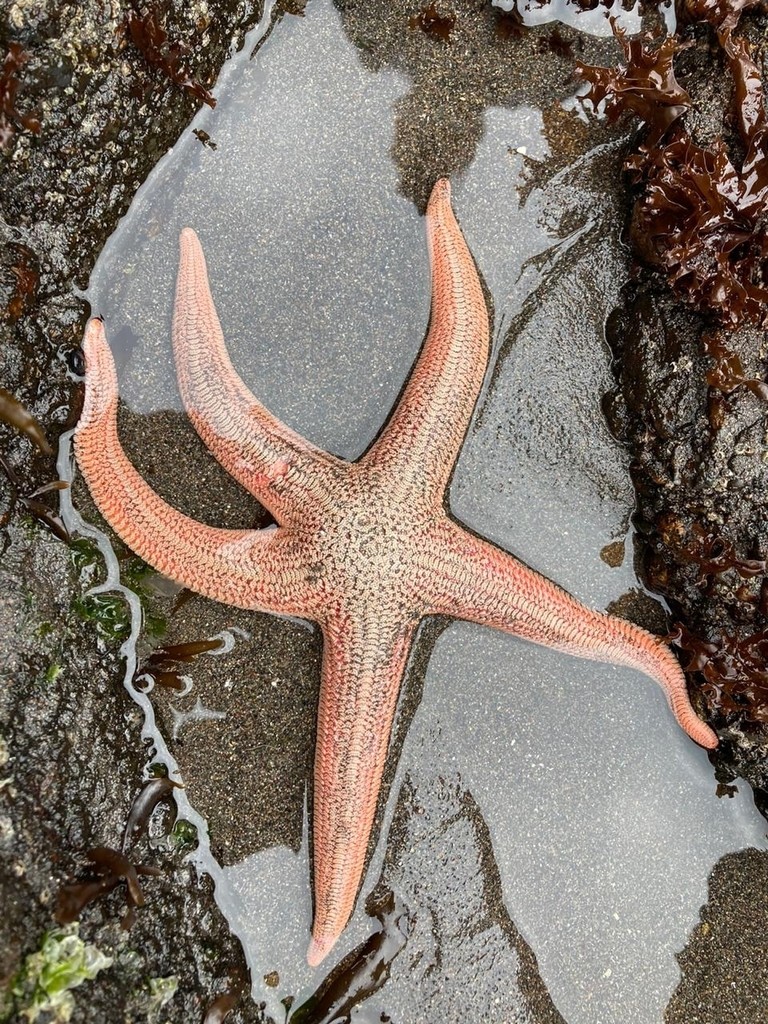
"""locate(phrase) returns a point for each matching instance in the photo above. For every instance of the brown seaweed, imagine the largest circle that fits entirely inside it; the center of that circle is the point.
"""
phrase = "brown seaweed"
(223, 1004)
(151, 40)
(186, 651)
(161, 668)
(111, 867)
(733, 671)
(714, 555)
(168, 680)
(220, 1008)
(645, 85)
(30, 502)
(42, 513)
(74, 897)
(698, 217)
(727, 373)
(692, 221)
(111, 863)
(144, 803)
(701, 217)
(706, 550)
(11, 119)
(431, 21)
(15, 414)
(364, 970)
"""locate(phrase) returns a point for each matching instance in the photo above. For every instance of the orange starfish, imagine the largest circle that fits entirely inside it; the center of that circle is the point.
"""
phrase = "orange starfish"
(366, 549)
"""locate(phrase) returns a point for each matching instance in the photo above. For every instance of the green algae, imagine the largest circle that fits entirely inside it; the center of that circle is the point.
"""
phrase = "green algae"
(161, 991)
(108, 611)
(184, 835)
(45, 980)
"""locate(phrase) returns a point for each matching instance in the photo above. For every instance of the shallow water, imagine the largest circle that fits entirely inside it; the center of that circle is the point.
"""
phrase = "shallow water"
(576, 811)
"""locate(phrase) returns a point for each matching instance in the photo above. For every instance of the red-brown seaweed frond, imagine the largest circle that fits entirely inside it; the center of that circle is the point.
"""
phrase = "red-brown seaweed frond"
(162, 665)
(703, 548)
(223, 1004)
(645, 85)
(435, 23)
(16, 415)
(714, 555)
(31, 502)
(11, 119)
(733, 671)
(144, 803)
(111, 868)
(699, 217)
(108, 867)
(727, 373)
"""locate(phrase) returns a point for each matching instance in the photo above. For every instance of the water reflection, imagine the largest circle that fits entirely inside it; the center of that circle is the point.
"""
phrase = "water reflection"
(531, 788)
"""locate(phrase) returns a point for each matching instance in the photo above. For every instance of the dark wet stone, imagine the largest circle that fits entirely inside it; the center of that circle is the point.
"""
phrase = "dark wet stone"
(696, 440)
(71, 763)
(700, 489)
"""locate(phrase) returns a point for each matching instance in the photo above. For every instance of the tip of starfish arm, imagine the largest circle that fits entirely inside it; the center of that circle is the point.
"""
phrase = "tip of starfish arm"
(319, 949)
(710, 738)
(699, 731)
(94, 332)
(441, 192)
(188, 235)
(100, 375)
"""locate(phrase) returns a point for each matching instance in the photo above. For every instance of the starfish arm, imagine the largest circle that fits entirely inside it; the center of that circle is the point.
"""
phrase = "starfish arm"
(483, 584)
(248, 568)
(421, 441)
(363, 666)
(268, 458)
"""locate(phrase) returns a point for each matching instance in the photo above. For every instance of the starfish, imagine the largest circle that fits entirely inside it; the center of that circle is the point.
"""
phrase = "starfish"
(366, 549)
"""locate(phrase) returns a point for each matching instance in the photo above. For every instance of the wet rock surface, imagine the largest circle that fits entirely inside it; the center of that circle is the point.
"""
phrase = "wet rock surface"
(71, 757)
(700, 495)
(73, 760)
(483, 58)
(691, 407)
(71, 748)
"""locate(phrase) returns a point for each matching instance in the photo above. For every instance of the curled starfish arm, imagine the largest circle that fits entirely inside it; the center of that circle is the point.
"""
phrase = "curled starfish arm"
(269, 459)
(363, 666)
(483, 584)
(421, 441)
(248, 568)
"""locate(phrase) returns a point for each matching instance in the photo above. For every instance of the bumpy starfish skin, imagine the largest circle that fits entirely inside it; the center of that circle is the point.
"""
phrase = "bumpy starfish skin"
(366, 549)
